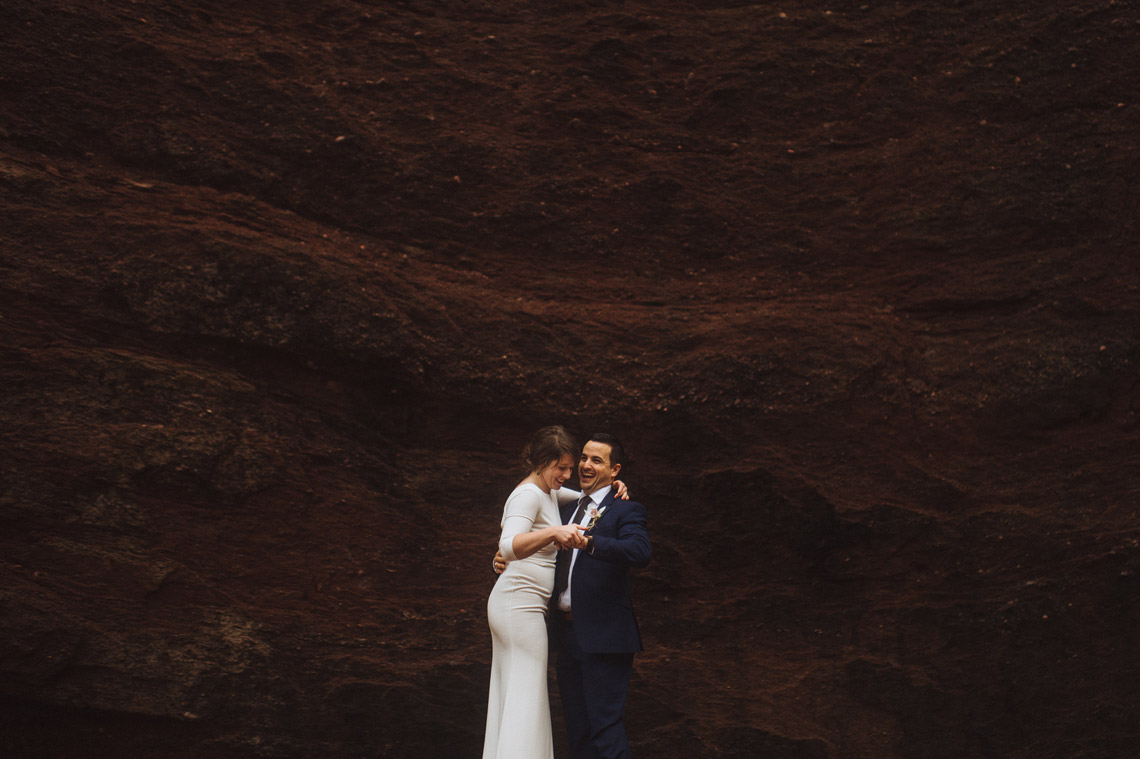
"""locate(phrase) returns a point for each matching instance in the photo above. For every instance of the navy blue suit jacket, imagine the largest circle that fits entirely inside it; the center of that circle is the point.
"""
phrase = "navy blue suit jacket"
(600, 587)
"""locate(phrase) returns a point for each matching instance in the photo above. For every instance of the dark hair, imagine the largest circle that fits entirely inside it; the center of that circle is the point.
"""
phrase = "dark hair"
(547, 445)
(617, 453)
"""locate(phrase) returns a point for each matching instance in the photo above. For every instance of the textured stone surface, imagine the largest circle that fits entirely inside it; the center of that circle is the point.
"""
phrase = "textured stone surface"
(284, 288)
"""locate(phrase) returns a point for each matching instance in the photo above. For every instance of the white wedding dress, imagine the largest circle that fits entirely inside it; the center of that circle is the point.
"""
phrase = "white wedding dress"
(518, 706)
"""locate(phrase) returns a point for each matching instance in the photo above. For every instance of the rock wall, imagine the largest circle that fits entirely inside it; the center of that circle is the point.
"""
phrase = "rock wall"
(284, 288)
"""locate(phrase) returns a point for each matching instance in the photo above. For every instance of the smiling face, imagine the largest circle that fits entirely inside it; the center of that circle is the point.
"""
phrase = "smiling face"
(594, 468)
(555, 473)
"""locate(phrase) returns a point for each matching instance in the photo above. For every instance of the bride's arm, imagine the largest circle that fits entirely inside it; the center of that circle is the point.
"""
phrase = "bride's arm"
(570, 495)
(567, 495)
(519, 540)
(528, 543)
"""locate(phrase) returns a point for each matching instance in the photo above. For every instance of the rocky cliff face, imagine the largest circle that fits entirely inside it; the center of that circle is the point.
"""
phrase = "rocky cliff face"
(284, 288)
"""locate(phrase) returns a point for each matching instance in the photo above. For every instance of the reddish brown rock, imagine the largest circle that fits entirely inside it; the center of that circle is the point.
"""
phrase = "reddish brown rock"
(284, 289)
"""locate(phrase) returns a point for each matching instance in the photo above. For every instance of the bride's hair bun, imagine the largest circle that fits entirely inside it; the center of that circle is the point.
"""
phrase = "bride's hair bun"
(547, 445)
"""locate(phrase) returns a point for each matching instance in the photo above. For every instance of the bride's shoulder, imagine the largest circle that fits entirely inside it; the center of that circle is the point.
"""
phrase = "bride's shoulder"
(525, 498)
(526, 490)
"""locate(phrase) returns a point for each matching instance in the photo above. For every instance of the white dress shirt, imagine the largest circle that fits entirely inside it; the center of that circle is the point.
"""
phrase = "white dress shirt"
(595, 498)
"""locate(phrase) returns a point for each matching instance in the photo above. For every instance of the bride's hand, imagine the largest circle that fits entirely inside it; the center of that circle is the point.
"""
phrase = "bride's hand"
(620, 490)
(570, 536)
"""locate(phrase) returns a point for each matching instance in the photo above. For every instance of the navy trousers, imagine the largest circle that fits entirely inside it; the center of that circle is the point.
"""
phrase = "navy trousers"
(593, 689)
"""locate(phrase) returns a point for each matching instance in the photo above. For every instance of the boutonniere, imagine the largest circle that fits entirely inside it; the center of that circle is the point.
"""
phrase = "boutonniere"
(595, 515)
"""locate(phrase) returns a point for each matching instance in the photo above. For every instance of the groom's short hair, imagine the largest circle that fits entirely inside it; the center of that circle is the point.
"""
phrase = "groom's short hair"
(617, 452)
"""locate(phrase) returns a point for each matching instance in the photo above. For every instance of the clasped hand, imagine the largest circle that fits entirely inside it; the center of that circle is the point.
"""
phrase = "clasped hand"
(569, 536)
(566, 537)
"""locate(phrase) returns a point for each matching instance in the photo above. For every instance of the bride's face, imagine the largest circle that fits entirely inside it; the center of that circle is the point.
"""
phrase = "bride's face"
(557, 472)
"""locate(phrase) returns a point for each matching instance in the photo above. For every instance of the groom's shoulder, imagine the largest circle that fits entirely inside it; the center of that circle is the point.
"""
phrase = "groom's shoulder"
(630, 505)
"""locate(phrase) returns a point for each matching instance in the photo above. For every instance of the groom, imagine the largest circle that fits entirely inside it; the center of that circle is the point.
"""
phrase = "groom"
(591, 610)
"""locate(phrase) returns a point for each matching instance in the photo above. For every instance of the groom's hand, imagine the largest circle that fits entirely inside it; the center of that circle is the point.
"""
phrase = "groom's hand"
(500, 563)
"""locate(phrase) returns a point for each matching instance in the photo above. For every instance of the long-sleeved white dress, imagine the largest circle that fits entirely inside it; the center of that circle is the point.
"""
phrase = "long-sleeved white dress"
(518, 705)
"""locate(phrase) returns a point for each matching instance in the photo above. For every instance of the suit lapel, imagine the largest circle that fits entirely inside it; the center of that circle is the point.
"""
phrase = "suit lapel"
(605, 506)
